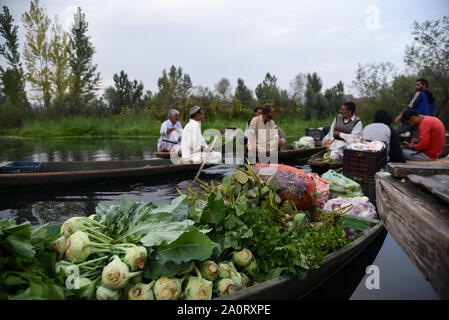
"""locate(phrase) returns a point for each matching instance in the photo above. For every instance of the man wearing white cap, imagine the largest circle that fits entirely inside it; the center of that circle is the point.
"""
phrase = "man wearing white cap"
(171, 133)
(194, 147)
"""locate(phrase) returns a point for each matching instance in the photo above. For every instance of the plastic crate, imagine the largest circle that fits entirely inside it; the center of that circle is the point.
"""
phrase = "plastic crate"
(363, 163)
(21, 167)
(317, 134)
(368, 186)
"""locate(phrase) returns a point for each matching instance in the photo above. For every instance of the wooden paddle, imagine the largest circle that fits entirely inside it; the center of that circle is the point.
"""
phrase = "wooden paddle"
(204, 162)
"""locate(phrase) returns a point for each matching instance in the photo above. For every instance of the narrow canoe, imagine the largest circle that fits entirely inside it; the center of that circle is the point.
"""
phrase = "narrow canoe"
(318, 165)
(288, 287)
(65, 172)
(418, 221)
(283, 156)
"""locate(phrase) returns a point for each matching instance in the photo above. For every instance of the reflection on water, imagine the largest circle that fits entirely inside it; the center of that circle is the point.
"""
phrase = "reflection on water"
(77, 149)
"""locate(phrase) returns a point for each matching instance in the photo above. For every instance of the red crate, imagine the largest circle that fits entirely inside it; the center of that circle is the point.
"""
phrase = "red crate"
(363, 163)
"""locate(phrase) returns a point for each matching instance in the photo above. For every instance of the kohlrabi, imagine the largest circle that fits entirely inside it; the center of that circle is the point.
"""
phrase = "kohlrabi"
(141, 291)
(167, 289)
(209, 270)
(116, 274)
(198, 288)
(104, 293)
(242, 258)
(225, 286)
(78, 247)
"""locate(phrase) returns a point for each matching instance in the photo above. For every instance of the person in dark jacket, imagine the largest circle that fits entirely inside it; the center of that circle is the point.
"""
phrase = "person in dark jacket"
(419, 102)
(429, 95)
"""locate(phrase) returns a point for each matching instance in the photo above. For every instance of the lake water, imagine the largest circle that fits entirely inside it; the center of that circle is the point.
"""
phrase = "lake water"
(399, 278)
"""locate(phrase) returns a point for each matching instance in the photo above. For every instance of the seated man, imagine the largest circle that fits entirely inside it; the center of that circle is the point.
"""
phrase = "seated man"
(257, 112)
(194, 147)
(432, 136)
(419, 102)
(346, 128)
(171, 133)
(381, 130)
(263, 134)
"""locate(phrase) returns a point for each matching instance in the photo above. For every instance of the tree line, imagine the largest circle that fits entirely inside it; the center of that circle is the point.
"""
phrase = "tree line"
(58, 68)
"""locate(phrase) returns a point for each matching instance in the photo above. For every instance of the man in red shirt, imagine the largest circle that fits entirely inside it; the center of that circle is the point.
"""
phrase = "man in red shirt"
(432, 135)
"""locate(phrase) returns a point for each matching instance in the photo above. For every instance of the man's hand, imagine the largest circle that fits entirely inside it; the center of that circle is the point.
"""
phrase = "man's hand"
(169, 130)
(406, 145)
(415, 141)
(336, 133)
(398, 118)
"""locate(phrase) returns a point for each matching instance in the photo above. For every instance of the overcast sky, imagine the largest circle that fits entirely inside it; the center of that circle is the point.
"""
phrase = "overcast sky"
(212, 39)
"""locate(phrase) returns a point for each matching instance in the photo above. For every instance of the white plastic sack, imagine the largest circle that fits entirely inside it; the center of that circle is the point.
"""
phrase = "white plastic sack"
(362, 207)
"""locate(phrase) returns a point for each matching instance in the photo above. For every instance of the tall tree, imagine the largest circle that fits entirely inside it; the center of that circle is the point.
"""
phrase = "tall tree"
(59, 54)
(429, 56)
(223, 87)
(316, 104)
(298, 87)
(244, 94)
(13, 77)
(85, 80)
(268, 91)
(335, 96)
(36, 52)
(174, 87)
(372, 79)
(125, 94)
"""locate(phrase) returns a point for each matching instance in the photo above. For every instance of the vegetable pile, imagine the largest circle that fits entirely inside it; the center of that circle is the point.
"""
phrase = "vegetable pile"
(200, 246)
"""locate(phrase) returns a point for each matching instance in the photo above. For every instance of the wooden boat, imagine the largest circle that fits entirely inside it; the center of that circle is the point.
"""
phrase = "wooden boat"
(289, 287)
(283, 156)
(318, 165)
(66, 172)
(413, 203)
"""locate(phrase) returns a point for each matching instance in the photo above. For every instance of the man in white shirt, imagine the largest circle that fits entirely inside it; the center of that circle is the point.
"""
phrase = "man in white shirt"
(171, 133)
(194, 147)
(346, 128)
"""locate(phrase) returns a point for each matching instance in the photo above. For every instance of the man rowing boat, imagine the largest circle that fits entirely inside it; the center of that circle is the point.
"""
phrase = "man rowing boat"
(171, 133)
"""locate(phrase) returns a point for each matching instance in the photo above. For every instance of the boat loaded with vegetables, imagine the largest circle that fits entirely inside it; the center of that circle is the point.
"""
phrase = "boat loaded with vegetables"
(251, 236)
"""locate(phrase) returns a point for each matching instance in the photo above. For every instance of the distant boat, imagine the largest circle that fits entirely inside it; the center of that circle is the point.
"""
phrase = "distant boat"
(67, 172)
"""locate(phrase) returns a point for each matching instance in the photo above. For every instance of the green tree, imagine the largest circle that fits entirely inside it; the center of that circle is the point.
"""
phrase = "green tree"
(59, 54)
(316, 104)
(85, 80)
(428, 56)
(373, 79)
(174, 88)
(223, 87)
(13, 77)
(244, 94)
(298, 87)
(36, 52)
(268, 91)
(335, 96)
(125, 94)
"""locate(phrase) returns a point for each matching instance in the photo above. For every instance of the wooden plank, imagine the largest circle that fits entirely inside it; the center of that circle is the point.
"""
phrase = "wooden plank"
(439, 161)
(401, 170)
(438, 184)
(419, 223)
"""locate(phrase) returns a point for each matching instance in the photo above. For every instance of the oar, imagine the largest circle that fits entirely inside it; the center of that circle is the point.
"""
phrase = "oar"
(204, 162)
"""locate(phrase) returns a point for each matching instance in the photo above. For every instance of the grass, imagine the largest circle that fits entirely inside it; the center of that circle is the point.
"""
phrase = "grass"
(135, 126)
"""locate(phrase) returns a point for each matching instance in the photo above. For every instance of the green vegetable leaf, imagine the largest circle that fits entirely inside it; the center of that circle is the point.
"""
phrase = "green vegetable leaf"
(162, 232)
(192, 245)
